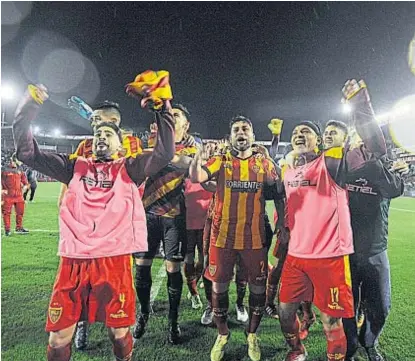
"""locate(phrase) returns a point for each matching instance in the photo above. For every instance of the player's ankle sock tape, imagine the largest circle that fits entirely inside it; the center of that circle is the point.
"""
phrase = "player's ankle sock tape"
(143, 284)
(256, 310)
(240, 291)
(59, 353)
(208, 289)
(123, 347)
(220, 306)
(336, 344)
(174, 289)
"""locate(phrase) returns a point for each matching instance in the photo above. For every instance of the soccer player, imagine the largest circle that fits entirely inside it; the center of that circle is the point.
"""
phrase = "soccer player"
(335, 134)
(102, 221)
(238, 229)
(197, 201)
(317, 265)
(106, 112)
(371, 188)
(164, 202)
(13, 183)
(31, 176)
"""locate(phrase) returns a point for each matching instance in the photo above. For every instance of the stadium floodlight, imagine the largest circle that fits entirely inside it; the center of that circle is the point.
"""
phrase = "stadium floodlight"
(36, 130)
(7, 92)
(56, 133)
(347, 108)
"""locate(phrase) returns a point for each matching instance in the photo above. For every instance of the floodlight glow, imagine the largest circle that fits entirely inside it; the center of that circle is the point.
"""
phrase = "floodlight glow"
(36, 130)
(402, 123)
(383, 118)
(347, 108)
(56, 132)
(7, 92)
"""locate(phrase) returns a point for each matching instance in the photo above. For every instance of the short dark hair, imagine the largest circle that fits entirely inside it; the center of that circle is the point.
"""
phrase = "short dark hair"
(240, 118)
(108, 105)
(111, 125)
(182, 108)
(338, 124)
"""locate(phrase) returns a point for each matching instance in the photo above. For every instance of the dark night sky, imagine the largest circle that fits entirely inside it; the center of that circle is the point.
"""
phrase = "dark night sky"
(261, 59)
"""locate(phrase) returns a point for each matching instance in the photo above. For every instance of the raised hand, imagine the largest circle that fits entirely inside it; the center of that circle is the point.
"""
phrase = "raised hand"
(355, 91)
(80, 107)
(38, 92)
(275, 126)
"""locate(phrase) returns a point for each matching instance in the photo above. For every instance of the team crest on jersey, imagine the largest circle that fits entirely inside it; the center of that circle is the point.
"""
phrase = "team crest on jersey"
(55, 314)
(212, 269)
(256, 168)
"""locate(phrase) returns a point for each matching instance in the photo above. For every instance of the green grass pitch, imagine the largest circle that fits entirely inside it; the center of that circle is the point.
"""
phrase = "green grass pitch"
(29, 265)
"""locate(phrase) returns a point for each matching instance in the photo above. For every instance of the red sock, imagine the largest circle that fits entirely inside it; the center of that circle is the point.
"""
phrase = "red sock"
(59, 353)
(292, 335)
(123, 347)
(336, 344)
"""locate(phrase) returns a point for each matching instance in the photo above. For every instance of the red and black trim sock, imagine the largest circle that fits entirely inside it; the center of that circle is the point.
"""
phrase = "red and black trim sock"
(191, 278)
(256, 310)
(59, 353)
(123, 347)
(220, 305)
(291, 334)
(336, 344)
(240, 291)
(143, 282)
(174, 289)
(208, 289)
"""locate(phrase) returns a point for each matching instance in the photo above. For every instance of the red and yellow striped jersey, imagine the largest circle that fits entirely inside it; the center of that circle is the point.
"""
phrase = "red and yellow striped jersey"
(131, 147)
(164, 192)
(238, 216)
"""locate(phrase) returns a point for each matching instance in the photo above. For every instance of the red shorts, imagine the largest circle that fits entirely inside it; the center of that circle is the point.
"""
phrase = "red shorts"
(326, 282)
(97, 290)
(253, 265)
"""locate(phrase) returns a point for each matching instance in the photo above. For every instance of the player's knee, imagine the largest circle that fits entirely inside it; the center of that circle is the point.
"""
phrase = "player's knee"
(330, 323)
(117, 333)
(257, 289)
(288, 312)
(190, 257)
(172, 267)
(59, 340)
(143, 262)
(220, 287)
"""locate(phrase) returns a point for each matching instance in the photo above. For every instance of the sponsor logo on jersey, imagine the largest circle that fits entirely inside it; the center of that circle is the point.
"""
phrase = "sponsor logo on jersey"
(244, 186)
(361, 187)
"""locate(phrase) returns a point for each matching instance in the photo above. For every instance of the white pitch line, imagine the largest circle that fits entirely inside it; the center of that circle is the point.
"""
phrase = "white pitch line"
(155, 288)
(403, 210)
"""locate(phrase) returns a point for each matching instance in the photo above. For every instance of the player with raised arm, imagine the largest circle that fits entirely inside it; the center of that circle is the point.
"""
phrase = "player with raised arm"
(102, 222)
(317, 266)
(237, 229)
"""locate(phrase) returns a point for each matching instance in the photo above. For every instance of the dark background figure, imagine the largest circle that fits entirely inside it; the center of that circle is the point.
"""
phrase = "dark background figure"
(31, 175)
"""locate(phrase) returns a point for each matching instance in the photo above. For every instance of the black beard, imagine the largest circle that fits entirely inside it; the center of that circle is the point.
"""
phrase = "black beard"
(241, 148)
(103, 154)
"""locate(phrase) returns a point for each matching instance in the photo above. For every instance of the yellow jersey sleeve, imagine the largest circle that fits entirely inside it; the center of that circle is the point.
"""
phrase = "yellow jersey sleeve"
(213, 165)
